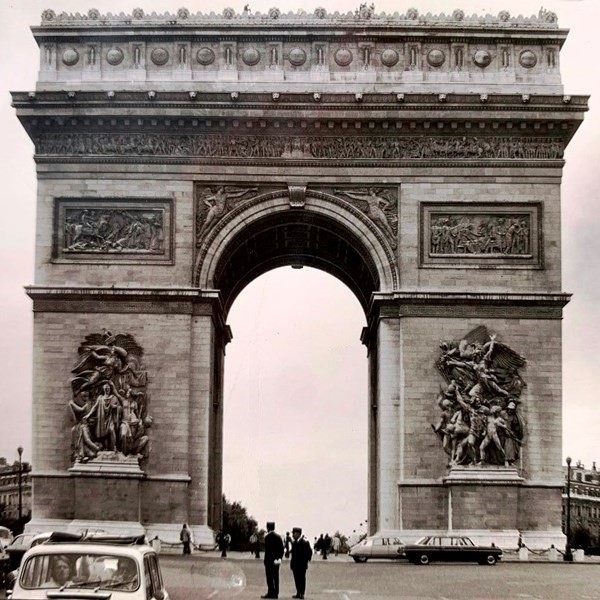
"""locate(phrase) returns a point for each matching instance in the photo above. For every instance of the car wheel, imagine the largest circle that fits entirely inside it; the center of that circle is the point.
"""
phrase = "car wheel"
(490, 559)
(424, 559)
(359, 559)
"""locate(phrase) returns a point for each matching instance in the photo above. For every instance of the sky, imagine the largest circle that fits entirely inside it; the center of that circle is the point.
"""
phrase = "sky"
(294, 375)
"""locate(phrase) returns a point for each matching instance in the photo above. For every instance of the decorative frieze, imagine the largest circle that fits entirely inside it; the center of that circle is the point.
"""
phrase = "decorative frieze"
(335, 147)
(458, 234)
(115, 229)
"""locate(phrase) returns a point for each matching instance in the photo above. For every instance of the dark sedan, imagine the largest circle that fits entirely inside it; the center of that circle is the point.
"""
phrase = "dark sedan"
(450, 548)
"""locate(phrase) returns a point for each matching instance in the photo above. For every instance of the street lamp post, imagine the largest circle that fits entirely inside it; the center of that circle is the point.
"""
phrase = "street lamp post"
(20, 451)
(568, 553)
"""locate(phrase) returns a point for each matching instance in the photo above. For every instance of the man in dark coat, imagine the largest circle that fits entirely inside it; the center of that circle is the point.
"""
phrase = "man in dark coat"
(301, 555)
(272, 560)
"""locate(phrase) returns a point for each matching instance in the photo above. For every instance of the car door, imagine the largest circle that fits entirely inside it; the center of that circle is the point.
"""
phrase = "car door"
(379, 548)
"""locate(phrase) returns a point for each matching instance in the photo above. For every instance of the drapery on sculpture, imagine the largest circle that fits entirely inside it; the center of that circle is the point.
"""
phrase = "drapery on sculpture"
(109, 406)
(480, 422)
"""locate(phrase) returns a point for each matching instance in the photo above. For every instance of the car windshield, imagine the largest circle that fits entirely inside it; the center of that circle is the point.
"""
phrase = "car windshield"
(80, 570)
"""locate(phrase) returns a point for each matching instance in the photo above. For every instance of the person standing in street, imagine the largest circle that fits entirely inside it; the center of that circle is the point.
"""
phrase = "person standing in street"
(255, 545)
(272, 560)
(301, 555)
(185, 537)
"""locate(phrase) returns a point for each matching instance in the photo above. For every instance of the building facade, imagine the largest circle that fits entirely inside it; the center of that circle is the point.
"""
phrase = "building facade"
(585, 500)
(9, 490)
(416, 158)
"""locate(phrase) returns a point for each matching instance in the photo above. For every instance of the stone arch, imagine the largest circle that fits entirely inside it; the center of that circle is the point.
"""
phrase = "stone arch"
(269, 231)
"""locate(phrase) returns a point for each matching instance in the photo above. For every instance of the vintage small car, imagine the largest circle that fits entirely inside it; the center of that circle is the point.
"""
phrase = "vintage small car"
(377, 546)
(102, 569)
(450, 548)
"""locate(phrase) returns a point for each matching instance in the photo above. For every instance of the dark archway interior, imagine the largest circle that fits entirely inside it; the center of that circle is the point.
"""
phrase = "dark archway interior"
(297, 238)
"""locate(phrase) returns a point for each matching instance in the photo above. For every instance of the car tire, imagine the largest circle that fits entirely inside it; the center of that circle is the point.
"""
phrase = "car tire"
(424, 559)
(359, 559)
(490, 559)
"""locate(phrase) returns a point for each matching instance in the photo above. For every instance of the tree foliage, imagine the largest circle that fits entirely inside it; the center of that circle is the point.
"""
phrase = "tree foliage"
(238, 524)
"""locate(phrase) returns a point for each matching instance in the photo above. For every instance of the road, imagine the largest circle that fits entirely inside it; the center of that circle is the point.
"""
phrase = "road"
(202, 577)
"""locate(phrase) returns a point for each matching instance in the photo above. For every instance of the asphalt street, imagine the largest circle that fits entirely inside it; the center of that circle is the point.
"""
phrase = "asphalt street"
(202, 577)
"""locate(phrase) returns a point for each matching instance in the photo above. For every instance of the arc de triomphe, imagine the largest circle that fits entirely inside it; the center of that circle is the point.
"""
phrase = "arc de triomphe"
(416, 158)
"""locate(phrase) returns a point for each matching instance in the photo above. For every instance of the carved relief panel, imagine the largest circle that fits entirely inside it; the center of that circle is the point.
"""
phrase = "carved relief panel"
(113, 230)
(379, 204)
(480, 419)
(480, 234)
(109, 406)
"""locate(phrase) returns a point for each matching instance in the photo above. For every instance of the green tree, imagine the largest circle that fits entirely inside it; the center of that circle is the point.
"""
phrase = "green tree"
(238, 524)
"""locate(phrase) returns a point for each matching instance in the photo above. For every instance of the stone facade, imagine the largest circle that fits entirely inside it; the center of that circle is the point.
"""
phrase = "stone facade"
(175, 168)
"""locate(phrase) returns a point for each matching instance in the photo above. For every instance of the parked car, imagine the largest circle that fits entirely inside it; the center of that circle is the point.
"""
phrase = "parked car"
(451, 548)
(21, 543)
(117, 568)
(377, 546)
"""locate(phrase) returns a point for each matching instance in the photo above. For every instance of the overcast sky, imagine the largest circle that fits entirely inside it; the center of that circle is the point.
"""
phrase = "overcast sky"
(294, 374)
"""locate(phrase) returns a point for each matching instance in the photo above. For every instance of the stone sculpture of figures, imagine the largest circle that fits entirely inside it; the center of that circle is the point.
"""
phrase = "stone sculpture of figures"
(480, 422)
(474, 234)
(376, 206)
(113, 230)
(82, 443)
(217, 204)
(109, 406)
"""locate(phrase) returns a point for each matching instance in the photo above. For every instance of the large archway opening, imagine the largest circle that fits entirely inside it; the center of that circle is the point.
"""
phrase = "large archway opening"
(325, 238)
(295, 427)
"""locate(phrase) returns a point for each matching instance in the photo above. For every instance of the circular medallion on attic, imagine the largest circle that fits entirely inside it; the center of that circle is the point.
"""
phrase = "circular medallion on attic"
(297, 57)
(70, 57)
(205, 56)
(527, 59)
(389, 57)
(436, 58)
(251, 56)
(482, 58)
(115, 56)
(343, 57)
(159, 56)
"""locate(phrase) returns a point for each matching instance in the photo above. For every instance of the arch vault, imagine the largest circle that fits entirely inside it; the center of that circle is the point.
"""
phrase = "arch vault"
(418, 160)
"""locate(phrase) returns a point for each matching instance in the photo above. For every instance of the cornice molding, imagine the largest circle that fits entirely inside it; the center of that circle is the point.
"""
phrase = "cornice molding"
(289, 100)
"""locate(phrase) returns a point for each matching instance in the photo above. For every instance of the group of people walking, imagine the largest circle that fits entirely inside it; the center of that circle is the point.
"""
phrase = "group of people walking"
(299, 551)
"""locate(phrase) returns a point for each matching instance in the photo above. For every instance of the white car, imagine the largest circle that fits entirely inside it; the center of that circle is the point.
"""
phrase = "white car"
(377, 546)
(90, 570)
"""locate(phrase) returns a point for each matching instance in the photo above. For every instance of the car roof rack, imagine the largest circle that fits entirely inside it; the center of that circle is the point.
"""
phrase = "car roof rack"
(58, 537)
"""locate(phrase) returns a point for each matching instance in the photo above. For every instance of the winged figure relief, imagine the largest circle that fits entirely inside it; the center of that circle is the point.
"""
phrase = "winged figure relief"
(480, 420)
(109, 405)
